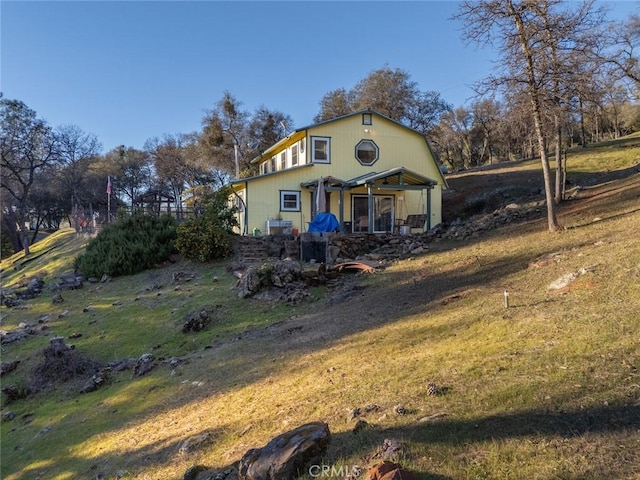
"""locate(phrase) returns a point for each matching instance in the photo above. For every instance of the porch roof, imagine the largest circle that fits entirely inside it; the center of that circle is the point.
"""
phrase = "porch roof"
(392, 179)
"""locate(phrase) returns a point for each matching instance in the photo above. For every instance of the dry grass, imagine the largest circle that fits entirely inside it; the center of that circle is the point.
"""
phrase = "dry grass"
(547, 388)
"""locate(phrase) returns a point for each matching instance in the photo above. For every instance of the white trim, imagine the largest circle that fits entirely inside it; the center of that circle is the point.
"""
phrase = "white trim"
(294, 193)
(327, 141)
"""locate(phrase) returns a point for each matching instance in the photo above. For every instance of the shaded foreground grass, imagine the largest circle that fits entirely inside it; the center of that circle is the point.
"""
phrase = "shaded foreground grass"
(547, 388)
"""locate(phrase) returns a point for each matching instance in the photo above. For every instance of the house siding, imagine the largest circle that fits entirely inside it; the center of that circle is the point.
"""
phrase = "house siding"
(398, 147)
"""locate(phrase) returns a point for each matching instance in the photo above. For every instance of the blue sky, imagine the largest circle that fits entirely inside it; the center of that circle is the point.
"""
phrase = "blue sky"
(128, 71)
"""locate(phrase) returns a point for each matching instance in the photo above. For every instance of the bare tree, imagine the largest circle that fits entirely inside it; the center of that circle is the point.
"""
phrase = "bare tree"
(224, 135)
(77, 150)
(539, 42)
(624, 56)
(28, 147)
(266, 127)
(335, 103)
(487, 116)
(132, 172)
(390, 92)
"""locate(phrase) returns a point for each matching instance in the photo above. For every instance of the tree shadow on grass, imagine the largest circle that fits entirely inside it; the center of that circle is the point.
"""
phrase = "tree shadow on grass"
(112, 464)
(567, 425)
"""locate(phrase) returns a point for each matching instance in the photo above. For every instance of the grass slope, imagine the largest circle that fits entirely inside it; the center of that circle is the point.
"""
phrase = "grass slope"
(547, 388)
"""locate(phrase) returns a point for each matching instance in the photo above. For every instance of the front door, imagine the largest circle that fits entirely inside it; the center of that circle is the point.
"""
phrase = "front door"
(383, 213)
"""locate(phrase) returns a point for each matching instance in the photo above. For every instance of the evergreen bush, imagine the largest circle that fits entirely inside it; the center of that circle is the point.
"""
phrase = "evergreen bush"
(208, 236)
(129, 246)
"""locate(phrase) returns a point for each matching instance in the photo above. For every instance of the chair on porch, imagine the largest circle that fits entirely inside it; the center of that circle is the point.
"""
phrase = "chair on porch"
(363, 224)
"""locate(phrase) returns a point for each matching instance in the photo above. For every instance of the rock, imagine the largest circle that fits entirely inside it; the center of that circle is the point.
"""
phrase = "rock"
(144, 365)
(371, 407)
(14, 336)
(183, 277)
(8, 416)
(96, 381)
(249, 283)
(193, 472)
(195, 442)
(8, 367)
(287, 456)
(69, 281)
(569, 278)
(360, 425)
(389, 471)
(390, 449)
(196, 321)
(15, 392)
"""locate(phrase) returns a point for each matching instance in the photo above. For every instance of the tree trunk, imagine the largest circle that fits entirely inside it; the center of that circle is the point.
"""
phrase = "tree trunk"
(535, 97)
(552, 219)
(10, 228)
(559, 162)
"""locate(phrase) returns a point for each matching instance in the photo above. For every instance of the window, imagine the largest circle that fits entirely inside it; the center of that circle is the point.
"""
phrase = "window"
(294, 155)
(321, 150)
(289, 201)
(272, 164)
(263, 168)
(367, 119)
(367, 152)
(283, 160)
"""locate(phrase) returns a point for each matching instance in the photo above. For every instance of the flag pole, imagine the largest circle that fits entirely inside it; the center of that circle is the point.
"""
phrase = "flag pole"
(109, 199)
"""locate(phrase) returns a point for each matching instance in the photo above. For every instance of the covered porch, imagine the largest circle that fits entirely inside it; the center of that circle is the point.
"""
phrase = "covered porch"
(375, 200)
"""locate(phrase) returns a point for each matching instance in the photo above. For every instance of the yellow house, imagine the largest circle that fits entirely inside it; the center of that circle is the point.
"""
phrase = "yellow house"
(375, 175)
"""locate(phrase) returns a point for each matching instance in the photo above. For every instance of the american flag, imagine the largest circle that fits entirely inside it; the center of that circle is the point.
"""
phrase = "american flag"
(109, 185)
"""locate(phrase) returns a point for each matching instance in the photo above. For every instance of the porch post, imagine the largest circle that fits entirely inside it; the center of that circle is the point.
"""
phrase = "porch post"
(341, 207)
(428, 224)
(370, 206)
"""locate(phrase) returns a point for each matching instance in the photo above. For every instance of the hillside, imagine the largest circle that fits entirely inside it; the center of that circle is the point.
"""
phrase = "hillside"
(546, 388)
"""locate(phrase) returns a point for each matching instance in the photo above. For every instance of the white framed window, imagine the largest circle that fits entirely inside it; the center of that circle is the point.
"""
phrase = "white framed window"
(263, 168)
(367, 119)
(294, 155)
(320, 150)
(272, 164)
(289, 200)
(283, 160)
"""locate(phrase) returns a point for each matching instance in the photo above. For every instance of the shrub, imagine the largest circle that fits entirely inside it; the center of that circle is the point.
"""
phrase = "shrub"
(129, 246)
(208, 236)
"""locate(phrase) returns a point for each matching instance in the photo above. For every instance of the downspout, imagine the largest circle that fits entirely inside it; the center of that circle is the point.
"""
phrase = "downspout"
(245, 227)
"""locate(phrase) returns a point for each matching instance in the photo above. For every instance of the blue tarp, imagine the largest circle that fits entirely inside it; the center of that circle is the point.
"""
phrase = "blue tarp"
(324, 222)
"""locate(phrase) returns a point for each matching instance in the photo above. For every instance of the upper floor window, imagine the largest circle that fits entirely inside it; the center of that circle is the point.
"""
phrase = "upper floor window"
(367, 119)
(272, 164)
(294, 155)
(367, 152)
(283, 160)
(321, 149)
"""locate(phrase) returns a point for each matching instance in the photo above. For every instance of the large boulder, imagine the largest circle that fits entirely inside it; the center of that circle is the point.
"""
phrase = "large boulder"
(288, 455)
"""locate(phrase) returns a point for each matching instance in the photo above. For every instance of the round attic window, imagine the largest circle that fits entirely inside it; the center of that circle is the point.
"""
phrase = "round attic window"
(367, 152)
